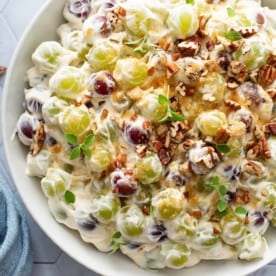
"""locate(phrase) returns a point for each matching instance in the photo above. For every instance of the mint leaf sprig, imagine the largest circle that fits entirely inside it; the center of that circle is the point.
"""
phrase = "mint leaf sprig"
(171, 114)
(233, 35)
(80, 148)
(231, 12)
(116, 241)
(69, 197)
(221, 189)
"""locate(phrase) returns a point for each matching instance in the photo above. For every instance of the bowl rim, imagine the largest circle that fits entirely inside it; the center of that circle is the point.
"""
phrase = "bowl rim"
(8, 79)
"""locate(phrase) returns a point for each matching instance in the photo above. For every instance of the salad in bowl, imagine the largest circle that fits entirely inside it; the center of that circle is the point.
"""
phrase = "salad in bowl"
(151, 126)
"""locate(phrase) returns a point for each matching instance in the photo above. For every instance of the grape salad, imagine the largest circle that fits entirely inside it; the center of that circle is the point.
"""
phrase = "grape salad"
(151, 127)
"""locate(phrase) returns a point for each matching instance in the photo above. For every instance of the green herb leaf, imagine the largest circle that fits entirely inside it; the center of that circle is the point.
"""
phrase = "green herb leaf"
(233, 35)
(190, 2)
(231, 12)
(162, 99)
(75, 153)
(134, 42)
(241, 210)
(223, 148)
(221, 214)
(71, 139)
(89, 139)
(215, 181)
(85, 149)
(69, 197)
(116, 235)
(140, 49)
(222, 190)
(176, 116)
(221, 205)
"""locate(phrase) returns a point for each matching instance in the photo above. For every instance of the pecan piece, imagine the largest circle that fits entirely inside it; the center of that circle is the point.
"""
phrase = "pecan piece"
(2, 70)
(38, 140)
(267, 74)
(232, 104)
(272, 93)
(248, 32)
(196, 213)
(164, 156)
(184, 90)
(141, 150)
(222, 136)
(270, 128)
(260, 149)
(156, 145)
(238, 70)
(202, 23)
(189, 47)
(252, 168)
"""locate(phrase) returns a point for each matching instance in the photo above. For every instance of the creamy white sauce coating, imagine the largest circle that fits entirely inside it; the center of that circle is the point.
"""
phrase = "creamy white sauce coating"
(105, 77)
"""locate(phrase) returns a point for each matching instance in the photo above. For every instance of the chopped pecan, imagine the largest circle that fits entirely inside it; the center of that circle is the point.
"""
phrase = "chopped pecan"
(189, 47)
(2, 70)
(156, 145)
(224, 59)
(172, 67)
(185, 169)
(222, 136)
(272, 93)
(141, 150)
(162, 129)
(252, 168)
(55, 149)
(270, 128)
(184, 90)
(121, 160)
(203, 19)
(210, 45)
(104, 114)
(260, 149)
(238, 71)
(164, 44)
(187, 144)
(203, 158)
(216, 230)
(248, 32)
(232, 84)
(196, 213)
(164, 156)
(232, 104)
(38, 140)
(267, 74)
(121, 11)
(177, 131)
(146, 210)
(175, 56)
(242, 196)
(146, 125)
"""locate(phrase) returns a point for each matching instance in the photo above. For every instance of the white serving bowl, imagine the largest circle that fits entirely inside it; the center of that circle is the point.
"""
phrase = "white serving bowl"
(42, 28)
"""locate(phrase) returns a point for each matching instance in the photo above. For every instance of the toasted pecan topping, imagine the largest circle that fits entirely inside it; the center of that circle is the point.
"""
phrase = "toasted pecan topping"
(196, 213)
(55, 149)
(184, 90)
(272, 93)
(141, 150)
(189, 47)
(222, 136)
(38, 140)
(121, 160)
(260, 149)
(156, 145)
(248, 32)
(232, 104)
(238, 71)
(270, 128)
(2, 70)
(104, 114)
(267, 74)
(121, 11)
(210, 45)
(252, 168)
(203, 19)
(164, 156)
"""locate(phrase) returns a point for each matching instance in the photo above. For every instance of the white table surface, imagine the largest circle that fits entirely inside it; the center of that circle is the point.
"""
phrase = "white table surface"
(49, 260)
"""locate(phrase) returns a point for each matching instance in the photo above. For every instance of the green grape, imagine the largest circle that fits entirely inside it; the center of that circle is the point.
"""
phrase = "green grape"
(210, 122)
(131, 221)
(167, 204)
(130, 72)
(269, 201)
(75, 120)
(253, 246)
(213, 87)
(150, 108)
(176, 255)
(186, 226)
(138, 19)
(205, 238)
(233, 229)
(149, 169)
(67, 83)
(273, 217)
(183, 21)
(103, 55)
(56, 182)
(47, 57)
(52, 108)
(105, 207)
(216, 27)
(102, 156)
(255, 55)
(108, 129)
